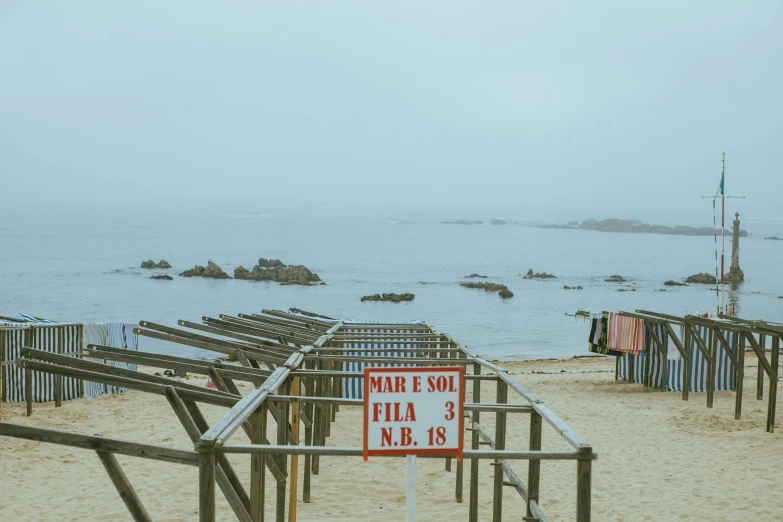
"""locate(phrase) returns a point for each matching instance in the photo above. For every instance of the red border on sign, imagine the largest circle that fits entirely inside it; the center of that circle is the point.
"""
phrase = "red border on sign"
(444, 451)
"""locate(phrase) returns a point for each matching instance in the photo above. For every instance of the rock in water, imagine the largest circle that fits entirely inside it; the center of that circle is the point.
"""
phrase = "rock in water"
(275, 270)
(615, 279)
(498, 222)
(673, 283)
(163, 264)
(212, 271)
(474, 276)
(163, 277)
(539, 275)
(391, 297)
(502, 290)
(148, 264)
(702, 279)
(270, 263)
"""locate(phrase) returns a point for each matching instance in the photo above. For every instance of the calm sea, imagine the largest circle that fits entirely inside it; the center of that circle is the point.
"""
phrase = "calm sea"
(83, 266)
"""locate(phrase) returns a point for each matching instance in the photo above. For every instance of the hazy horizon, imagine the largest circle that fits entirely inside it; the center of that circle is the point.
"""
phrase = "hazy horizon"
(506, 109)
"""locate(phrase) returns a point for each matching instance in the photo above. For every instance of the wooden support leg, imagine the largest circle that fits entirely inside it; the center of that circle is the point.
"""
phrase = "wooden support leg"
(739, 382)
(124, 487)
(500, 444)
(206, 485)
(295, 390)
(308, 441)
(282, 460)
(773, 384)
(258, 465)
(474, 444)
(533, 466)
(760, 370)
(28, 390)
(583, 495)
(711, 367)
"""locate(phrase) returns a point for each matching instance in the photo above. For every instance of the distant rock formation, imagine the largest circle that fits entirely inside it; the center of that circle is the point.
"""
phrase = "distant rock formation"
(673, 283)
(566, 287)
(498, 222)
(540, 275)
(474, 276)
(635, 226)
(462, 222)
(702, 279)
(392, 298)
(151, 264)
(212, 270)
(502, 290)
(615, 279)
(276, 271)
(163, 277)
(774, 238)
(626, 289)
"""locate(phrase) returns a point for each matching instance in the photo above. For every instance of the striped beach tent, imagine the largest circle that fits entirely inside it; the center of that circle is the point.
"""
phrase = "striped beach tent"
(724, 368)
(23, 330)
(402, 338)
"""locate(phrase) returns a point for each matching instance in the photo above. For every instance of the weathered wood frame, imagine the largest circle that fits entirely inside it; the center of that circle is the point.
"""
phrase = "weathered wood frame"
(303, 383)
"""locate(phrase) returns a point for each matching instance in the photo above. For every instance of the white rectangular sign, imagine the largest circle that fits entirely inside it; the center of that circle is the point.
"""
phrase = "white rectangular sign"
(413, 411)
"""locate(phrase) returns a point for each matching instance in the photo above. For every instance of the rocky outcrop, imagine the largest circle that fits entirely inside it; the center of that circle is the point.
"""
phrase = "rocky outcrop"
(274, 270)
(462, 222)
(498, 222)
(626, 289)
(502, 290)
(774, 238)
(540, 275)
(163, 277)
(702, 279)
(673, 283)
(734, 276)
(270, 263)
(474, 276)
(212, 270)
(152, 264)
(566, 287)
(615, 279)
(635, 226)
(392, 298)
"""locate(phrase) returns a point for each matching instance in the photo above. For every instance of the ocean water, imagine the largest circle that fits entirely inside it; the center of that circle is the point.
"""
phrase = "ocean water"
(82, 265)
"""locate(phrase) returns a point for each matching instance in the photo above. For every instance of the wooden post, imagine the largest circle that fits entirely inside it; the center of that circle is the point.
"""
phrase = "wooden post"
(760, 368)
(631, 368)
(773, 383)
(474, 444)
(294, 458)
(686, 363)
(29, 340)
(282, 459)
(258, 464)
(317, 419)
(500, 444)
(2, 371)
(310, 386)
(739, 376)
(124, 487)
(58, 379)
(460, 462)
(206, 484)
(534, 466)
(583, 478)
(80, 344)
(410, 488)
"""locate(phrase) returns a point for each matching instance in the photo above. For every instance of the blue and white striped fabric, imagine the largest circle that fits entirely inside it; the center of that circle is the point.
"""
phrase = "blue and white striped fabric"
(41, 336)
(353, 386)
(724, 368)
(95, 334)
(116, 335)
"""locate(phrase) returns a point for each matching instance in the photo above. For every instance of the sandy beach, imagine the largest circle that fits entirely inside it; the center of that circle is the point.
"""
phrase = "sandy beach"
(659, 458)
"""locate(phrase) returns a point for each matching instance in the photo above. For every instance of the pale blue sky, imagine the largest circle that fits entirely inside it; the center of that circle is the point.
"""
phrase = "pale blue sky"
(537, 107)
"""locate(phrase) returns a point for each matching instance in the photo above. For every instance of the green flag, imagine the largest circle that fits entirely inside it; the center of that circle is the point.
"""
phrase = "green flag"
(721, 184)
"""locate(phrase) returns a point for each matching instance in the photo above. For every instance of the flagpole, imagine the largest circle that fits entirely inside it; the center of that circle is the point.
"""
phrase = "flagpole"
(722, 230)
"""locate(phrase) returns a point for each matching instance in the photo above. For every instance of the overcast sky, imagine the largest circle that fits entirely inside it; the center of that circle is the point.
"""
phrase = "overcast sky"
(590, 107)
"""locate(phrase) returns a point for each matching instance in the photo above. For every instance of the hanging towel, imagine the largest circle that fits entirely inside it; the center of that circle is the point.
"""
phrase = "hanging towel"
(598, 338)
(626, 334)
(673, 354)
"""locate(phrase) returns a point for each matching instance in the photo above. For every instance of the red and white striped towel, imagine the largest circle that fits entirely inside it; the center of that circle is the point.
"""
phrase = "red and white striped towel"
(625, 334)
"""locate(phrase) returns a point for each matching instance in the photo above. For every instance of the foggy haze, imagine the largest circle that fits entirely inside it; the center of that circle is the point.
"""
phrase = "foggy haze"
(532, 108)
